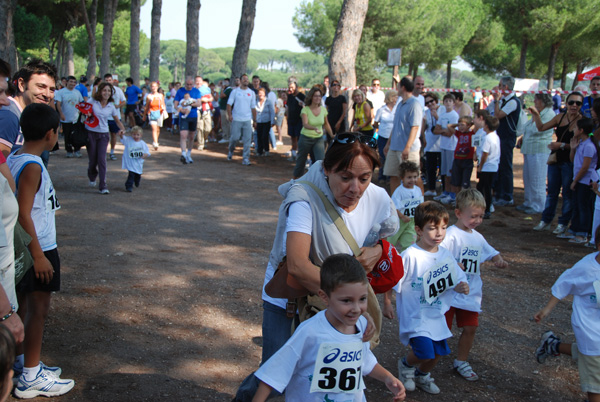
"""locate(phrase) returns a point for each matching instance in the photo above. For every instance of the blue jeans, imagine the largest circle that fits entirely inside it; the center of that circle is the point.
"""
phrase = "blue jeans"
(381, 143)
(276, 330)
(503, 189)
(583, 213)
(559, 175)
(306, 145)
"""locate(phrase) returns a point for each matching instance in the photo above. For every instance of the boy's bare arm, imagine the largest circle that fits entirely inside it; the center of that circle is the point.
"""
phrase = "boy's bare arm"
(499, 261)
(540, 315)
(262, 393)
(29, 182)
(388, 306)
(391, 382)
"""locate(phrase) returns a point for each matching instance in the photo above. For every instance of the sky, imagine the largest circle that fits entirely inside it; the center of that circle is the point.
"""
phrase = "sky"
(219, 22)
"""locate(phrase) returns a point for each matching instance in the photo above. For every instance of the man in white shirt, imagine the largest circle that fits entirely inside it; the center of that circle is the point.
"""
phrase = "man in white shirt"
(119, 101)
(418, 90)
(376, 96)
(241, 117)
(66, 99)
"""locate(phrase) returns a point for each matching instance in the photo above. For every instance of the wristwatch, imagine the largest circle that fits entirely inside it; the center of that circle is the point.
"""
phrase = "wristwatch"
(562, 145)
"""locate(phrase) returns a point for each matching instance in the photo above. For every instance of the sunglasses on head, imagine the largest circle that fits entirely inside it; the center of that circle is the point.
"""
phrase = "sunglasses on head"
(571, 103)
(429, 101)
(351, 138)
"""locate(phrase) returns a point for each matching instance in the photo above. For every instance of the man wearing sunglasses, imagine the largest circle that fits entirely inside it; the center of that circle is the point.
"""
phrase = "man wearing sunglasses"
(404, 143)
(507, 109)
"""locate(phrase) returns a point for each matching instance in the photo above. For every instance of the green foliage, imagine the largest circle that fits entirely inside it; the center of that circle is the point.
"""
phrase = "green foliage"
(26, 37)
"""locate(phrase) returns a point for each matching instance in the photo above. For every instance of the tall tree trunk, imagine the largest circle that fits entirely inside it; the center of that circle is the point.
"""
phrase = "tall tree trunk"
(175, 72)
(192, 37)
(449, 74)
(70, 60)
(580, 67)
(563, 74)
(411, 67)
(242, 43)
(523, 58)
(552, 63)
(342, 63)
(155, 40)
(8, 49)
(110, 12)
(134, 42)
(415, 71)
(90, 26)
(59, 54)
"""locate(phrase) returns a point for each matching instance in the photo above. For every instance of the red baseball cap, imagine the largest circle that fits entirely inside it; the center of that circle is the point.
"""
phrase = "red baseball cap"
(388, 271)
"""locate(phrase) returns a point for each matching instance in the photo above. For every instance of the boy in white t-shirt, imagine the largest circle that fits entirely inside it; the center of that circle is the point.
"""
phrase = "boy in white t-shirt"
(470, 249)
(431, 279)
(448, 141)
(326, 358)
(583, 282)
(406, 198)
(134, 154)
(488, 156)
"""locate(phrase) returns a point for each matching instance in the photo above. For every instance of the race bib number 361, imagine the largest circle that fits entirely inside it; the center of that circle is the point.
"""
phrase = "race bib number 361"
(338, 368)
(438, 280)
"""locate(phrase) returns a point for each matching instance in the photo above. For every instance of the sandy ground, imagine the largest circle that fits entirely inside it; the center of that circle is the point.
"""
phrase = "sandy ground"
(161, 288)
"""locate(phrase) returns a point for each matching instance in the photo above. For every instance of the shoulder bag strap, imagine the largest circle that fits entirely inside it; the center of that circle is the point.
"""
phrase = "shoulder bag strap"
(337, 219)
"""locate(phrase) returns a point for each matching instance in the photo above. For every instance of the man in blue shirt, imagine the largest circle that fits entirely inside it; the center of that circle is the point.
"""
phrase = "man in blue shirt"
(588, 101)
(187, 126)
(132, 93)
(82, 88)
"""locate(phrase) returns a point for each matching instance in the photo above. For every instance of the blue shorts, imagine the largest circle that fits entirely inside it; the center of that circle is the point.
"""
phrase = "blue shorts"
(112, 127)
(425, 348)
(188, 124)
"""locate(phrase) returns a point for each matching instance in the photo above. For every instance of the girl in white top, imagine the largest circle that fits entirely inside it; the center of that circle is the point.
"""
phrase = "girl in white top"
(98, 136)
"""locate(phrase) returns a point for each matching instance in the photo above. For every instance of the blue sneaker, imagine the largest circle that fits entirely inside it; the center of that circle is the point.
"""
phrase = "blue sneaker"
(43, 384)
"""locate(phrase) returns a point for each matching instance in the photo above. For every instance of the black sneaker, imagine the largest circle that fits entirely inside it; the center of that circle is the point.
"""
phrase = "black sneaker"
(547, 347)
(183, 160)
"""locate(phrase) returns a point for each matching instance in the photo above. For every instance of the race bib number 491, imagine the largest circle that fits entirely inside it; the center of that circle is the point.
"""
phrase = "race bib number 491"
(338, 368)
(438, 280)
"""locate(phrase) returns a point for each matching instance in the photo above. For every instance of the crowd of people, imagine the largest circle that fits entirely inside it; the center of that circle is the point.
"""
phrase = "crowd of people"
(334, 217)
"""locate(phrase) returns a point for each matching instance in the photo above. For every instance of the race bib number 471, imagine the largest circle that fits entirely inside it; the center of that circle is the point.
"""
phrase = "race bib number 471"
(438, 280)
(338, 368)
(470, 258)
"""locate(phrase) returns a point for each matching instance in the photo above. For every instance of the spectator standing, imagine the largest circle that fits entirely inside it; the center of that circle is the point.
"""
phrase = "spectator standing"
(557, 101)
(337, 107)
(433, 150)
(81, 87)
(265, 119)
(241, 111)
(223, 98)
(384, 122)
(588, 101)
(376, 95)
(295, 103)
(66, 99)
(204, 126)
(133, 93)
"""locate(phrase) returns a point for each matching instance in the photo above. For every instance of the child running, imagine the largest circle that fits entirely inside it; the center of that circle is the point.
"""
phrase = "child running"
(583, 282)
(470, 249)
(135, 152)
(326, 358)
(37, 205)
(423, 296)
(406, 198)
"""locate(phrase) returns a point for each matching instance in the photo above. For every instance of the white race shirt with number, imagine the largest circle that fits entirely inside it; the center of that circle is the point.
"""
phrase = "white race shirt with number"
(579, 281)
(406, 200)
(133, 156)
(471, 250)
(45, 202)
(416, 315)
(318, 364)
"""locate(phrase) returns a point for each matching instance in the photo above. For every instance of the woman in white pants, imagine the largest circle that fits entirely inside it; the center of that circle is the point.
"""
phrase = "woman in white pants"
(534, 147)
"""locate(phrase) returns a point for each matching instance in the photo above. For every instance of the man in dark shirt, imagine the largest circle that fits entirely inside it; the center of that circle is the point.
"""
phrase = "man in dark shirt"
(337, 106)
(295, 104)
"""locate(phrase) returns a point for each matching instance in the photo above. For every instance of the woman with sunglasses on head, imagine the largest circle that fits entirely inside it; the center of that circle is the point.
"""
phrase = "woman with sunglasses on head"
(560, 167)
(306, 234)
(314, 120)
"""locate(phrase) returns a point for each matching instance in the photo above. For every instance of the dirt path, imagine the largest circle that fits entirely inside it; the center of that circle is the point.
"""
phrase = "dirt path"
(161, 297)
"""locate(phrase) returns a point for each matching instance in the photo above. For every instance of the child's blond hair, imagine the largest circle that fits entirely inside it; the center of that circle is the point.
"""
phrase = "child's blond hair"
(137, 130)
(469, 197)
(466, 119)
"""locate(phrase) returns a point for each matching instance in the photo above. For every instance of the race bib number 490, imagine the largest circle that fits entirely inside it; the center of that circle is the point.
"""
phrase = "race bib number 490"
(409, 206)
(438, 280)
(470, 258)
(338, 368)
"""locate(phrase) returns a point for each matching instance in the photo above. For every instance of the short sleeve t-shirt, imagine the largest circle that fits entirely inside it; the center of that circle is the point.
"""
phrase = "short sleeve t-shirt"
(314, 121)
(82, 89)
(244, 101)
(335, 108)
(464, 149)
(102, 113)
(409, 114)
(68, 100)
(491, 145)
(194, 94)
(445, 118)
(133, 156)
(132, 93)
(586, 149)
(10, 129)
(118, 98)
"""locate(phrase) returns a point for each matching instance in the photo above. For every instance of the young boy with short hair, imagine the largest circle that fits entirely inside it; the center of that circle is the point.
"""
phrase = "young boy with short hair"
(134, 154)
(462, 167)
(488, 156)
(448, 141)
(583, 282)
(406, 198)
(470, 249)
(325, 358)
(37, 205)
(431, 279)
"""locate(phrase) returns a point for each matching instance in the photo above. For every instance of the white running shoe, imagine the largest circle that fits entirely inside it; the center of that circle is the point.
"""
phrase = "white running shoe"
(406, 375)
(430, 193)
(426, 383)
(466, 372)
(43, 385)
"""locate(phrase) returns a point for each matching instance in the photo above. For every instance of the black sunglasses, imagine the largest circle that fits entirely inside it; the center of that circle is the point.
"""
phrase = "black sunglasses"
(351, 138)
(571, 103)
(430, 101)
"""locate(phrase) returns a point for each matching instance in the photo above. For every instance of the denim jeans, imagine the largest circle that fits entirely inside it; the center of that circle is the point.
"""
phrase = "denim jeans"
(434, 164)
(583, 197)
(381, 143)
(559, 175)
(241, 130)
(308, 145)
(276, 330)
